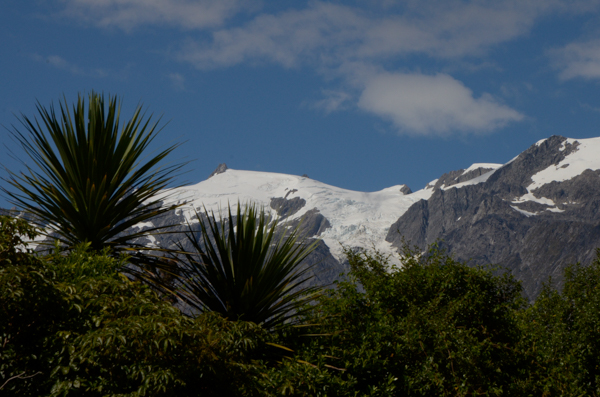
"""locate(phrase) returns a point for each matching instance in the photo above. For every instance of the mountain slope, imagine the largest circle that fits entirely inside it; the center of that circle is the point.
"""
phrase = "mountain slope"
(534, 215)
(354, 219)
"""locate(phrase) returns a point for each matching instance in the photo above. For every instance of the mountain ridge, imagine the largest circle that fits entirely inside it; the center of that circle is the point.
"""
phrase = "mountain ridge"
(519, 216)
(532, 215)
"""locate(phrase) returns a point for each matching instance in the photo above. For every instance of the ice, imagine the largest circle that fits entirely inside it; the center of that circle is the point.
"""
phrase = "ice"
(358, 219)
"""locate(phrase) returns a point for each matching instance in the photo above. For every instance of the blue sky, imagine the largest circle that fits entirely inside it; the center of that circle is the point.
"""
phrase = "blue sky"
(362, 95)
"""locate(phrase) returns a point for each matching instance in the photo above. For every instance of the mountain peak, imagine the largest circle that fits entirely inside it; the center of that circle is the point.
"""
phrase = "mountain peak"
(220, 169)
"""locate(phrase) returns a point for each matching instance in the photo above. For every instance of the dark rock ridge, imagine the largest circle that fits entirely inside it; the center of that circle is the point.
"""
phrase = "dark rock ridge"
(323, 268)
(482, 224)
(285, 207)
(220, 169)
(455, 177)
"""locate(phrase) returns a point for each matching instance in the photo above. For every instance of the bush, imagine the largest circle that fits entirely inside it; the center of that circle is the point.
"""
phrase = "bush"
(563, 332)
(72, 325)
(432, 327)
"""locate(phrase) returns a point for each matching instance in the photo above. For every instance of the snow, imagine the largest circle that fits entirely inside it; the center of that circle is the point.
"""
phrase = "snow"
(530, 197)
(585, 156)
(153, 241)
(142, 225)
(358, 219)
(431, 184)
(526, 213)
(480, 179)
(540, 200)
(483, 165)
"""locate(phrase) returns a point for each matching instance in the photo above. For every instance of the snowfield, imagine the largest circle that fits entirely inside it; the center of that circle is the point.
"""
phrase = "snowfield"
(586, 156)
(358, 219)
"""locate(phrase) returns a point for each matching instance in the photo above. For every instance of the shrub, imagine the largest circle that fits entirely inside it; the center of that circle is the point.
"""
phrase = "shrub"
(563, 333)
(432, 327)
(72, 325)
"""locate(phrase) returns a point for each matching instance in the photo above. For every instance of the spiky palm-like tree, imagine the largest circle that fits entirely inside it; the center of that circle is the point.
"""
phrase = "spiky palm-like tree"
(241, 269)
(92, 180)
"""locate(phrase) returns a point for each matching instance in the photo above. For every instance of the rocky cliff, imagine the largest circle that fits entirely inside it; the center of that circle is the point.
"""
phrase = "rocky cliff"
(516, 216)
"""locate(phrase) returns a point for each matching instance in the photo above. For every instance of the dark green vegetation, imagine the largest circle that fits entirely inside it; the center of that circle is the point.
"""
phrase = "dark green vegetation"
(73, 325)
(242, 270)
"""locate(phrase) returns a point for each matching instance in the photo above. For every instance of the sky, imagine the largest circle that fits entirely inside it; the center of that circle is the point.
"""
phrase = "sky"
(359, 94)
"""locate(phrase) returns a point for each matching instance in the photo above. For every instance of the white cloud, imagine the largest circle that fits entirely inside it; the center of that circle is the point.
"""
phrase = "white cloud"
(331, 34)
(578, 60)
(351, 44)
(127, 14)
(177, 81)
(433, 105)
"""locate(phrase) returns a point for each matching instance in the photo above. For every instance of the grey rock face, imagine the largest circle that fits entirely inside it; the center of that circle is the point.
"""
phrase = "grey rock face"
(220, 169)
(285, 207)
(481, 224)
(455, 177)
(311, 224)
(405, 190)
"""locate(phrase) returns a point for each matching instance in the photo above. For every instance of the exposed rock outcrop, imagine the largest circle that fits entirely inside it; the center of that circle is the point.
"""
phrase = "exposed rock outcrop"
(488, 223)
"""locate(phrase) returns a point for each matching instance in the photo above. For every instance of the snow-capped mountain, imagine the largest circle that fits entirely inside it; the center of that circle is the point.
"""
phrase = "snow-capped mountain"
(354, 219)
(533, 215)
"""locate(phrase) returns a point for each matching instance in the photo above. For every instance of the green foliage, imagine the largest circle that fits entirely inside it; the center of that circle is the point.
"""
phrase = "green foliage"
(72, 325)
(12, 245)
(92, 182)
(296, 377)
(432, 327)
(563, 331)
(243, 271)
(30, 309)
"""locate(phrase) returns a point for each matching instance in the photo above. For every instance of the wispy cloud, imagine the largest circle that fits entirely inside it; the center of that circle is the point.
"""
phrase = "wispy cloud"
(58, 62)
(332, 34)
(433, 105)
(333, 100)
(578, 60)
(128, 14)
(177, 81)
(352, 44)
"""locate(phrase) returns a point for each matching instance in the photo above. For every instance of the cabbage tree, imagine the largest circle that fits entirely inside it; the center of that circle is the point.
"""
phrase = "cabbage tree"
(244, 269)
(91, 178)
